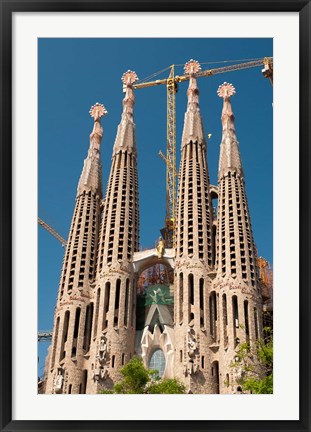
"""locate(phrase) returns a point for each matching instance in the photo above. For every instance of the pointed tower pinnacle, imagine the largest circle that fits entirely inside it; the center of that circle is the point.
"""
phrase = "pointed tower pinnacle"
(194, 221)
(236, 281)
(125, 138)
(236, 257)
(119, 238)
(91, 176)
(74, 309)
(193, 125)
(97, 111)
(230, 158)
(194, 250)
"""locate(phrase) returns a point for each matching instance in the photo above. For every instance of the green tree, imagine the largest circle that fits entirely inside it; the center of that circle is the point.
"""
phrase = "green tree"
(253, 364)
(166, 386)
(139, 380)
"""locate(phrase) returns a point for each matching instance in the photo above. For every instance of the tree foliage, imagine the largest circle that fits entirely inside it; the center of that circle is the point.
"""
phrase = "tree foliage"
(166, 386)
(253, 365)
(139, 380)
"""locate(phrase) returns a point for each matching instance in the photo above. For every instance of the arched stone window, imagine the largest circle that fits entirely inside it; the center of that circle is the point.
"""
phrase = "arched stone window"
(157, 361)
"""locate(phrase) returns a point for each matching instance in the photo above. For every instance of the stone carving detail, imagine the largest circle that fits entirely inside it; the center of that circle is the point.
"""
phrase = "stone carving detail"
(104, 372)
(188, 265)
(101, 369)
(58, 383)
(192, 67)
(236, 286)
(191, 343)
(192, 348)
(100, 373)
(96, 374)
(116, 270)
(103, 349)
(97, 111)
(157, 339)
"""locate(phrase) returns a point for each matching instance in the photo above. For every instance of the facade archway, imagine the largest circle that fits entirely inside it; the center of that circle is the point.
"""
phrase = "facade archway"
(155, 313)
(144, 259)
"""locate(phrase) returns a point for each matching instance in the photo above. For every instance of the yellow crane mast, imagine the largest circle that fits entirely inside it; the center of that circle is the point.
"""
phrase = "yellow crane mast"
(52, 231)
(170, 159)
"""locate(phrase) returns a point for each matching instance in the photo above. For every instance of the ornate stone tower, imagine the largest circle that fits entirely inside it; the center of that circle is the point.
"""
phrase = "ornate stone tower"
(74, 308)
(236, 283)
(194, 258)
(115, 291)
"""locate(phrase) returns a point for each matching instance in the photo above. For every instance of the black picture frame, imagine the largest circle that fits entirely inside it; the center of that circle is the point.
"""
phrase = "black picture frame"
(8, 7)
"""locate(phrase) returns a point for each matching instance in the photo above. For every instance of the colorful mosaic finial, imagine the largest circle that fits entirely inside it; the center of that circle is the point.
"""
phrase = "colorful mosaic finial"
(129, 77)
(192, 67)
(226, 90)
(97, 111)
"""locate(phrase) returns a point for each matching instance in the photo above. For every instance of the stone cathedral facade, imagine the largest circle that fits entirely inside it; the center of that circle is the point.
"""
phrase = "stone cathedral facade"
(192, 330)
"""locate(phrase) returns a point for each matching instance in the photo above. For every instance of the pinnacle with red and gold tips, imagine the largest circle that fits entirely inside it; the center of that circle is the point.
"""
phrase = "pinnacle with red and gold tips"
(97, 111)
(192, 67)
(226, 90)
(129, 77)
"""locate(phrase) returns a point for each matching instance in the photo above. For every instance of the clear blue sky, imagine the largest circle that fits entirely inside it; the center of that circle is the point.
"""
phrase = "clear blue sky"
(76, 73)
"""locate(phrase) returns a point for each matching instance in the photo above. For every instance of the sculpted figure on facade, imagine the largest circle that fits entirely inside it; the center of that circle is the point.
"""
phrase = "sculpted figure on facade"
(191, 347)
(96, 374)
(101, 370)
(191, 343)
(160, 248)
(58, 382)
(103, 349)
(104, 372)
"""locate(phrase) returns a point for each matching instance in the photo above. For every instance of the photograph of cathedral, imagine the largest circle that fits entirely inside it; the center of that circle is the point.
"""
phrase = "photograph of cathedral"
(188, 302)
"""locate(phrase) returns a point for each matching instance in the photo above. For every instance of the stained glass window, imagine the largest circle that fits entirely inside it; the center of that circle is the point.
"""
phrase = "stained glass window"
(157, 361)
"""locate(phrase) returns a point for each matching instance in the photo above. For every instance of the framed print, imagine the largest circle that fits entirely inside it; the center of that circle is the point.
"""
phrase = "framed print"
(155, 203)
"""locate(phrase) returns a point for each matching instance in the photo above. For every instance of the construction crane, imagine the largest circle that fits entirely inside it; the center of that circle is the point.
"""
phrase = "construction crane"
(45, 336)
(52, 231)
(267, 71)
(170, 159)
(265, 277)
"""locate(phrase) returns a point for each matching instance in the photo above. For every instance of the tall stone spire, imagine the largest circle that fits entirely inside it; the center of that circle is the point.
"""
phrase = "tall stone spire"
(120, 216)
(193, 125)
(74, 309)
(126, 134)
(233, 215)
(230, 158)
(194, 258)
(91, 176)
(115, 291)
(194, 206)
(236, 280)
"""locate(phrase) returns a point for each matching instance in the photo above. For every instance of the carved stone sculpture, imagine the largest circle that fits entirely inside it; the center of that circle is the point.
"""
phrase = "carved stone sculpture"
(103, 349)
(59, 382)
(191, 343)
(104, 373)
(96, 374)
(100, 373)
(191, 348)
